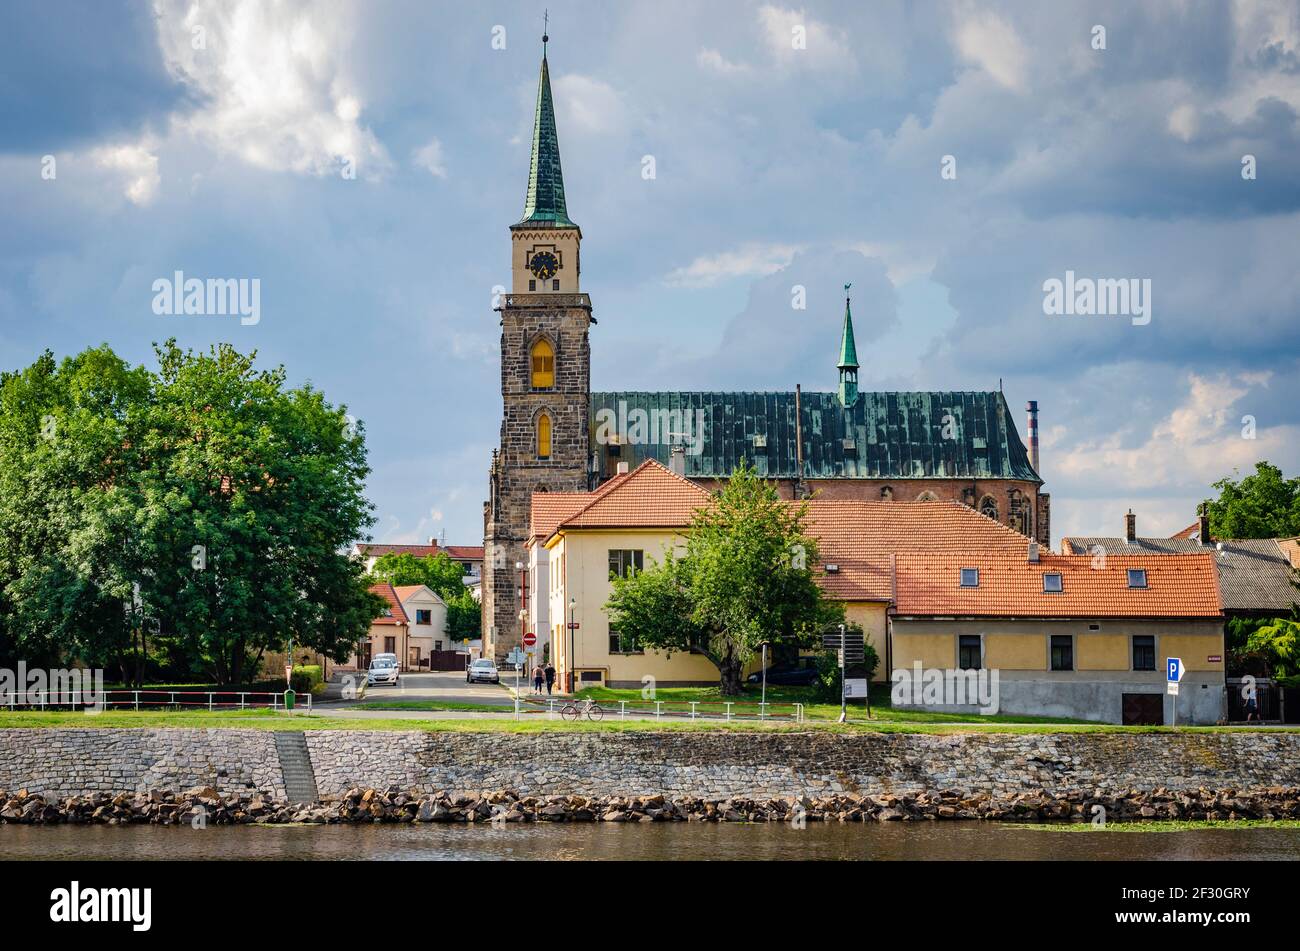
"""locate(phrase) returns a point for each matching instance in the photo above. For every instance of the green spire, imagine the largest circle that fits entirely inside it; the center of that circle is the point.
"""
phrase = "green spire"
(545, 200)
(848, 357)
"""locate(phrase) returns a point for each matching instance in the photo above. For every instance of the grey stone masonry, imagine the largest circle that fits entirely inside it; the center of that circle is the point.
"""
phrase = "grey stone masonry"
(706, 765)
(564, 321)
(724, 764)
(79, 761)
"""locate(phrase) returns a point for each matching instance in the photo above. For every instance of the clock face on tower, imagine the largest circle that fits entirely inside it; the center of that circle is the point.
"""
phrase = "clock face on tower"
(544, 265)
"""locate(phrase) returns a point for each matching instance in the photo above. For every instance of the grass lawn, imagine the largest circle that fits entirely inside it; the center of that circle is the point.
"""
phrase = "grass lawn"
(814, 710)
(431, 705)
(532, 723)
(1165, 825)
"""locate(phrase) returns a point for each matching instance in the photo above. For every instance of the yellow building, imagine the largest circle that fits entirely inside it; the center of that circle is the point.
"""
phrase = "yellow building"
(578, 540)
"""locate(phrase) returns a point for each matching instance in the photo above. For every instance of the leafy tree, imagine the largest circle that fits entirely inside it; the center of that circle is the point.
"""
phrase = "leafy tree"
(439, 572)
(1262, 505)
(743, 580)
(464, 617)
(200, 512)
(1280, 643)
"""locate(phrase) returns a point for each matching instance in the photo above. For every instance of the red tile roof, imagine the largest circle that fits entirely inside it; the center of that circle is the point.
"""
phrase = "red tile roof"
(398, 614)
(859, 536)
(456, 552)
(650, 496)
(1182, 585)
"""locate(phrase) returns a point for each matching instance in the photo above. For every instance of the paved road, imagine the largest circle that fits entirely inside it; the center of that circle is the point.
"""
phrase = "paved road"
(446, 686)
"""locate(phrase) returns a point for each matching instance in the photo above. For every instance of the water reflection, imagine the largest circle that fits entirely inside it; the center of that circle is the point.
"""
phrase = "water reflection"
(668, 841)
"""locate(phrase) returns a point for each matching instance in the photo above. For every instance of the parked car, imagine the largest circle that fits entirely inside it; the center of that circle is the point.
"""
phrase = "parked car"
(800, 674)
(383, 670)
(483, 670)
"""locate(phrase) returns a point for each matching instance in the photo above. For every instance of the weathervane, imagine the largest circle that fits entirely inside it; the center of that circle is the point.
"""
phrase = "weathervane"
(546, 22)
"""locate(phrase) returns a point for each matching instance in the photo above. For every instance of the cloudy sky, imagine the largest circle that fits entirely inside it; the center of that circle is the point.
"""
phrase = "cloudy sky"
(364, 161)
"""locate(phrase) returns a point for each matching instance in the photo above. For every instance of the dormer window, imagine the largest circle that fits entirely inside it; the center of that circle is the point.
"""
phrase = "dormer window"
(1137, 577)
(970, 577)
(1052, 583)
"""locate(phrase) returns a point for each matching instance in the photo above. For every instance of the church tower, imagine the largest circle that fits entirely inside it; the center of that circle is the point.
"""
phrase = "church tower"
(545, 379)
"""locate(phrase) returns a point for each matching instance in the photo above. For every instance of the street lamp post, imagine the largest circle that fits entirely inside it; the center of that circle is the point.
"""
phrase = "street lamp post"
(573, 605)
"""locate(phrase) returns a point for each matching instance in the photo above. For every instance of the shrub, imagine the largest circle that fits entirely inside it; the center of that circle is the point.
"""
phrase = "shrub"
(307, 679)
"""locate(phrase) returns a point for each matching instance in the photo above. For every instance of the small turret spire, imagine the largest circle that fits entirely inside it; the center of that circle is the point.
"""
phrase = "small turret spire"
(848, 364)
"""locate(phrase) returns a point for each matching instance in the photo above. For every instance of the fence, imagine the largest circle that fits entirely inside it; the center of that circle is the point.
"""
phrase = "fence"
(153, 699)
(724, 710)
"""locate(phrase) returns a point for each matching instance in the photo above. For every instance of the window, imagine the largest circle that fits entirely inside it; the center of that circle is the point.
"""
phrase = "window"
(927, 496)
(1052, 583)
(625, 561)
(989, 507)
(620, 643)
(437, 645)
(555, 284)
(532, 285)
(1062, 652)
(968, 652)
(886, 492)
(970, 577)
(1144, 652)
(543, 364)
(544, 436)
(423, 616)
(1137, 577)
(390, 645)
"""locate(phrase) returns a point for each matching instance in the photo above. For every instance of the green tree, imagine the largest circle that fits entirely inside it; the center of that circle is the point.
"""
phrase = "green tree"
(439, 572)
(202, 511)
(743, 580)
(1262, 505)
(464, 617)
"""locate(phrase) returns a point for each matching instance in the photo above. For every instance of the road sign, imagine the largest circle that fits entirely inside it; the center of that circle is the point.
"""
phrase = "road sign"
(516, 656)
(1175, 669)
(1214, 659)
(573, 625)
(1172, 688)
(855, 688)
(530, 639)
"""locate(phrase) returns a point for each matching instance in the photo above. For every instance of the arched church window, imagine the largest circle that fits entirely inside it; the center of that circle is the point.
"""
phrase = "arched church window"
(927, 496)
(886, 492)
(543, 365)
(989, 507)
(544, 436)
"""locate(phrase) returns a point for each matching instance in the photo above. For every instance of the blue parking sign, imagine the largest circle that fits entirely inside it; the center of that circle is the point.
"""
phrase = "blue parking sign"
(1175, 670)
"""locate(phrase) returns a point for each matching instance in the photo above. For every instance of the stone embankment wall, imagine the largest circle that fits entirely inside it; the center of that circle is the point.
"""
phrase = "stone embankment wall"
(706, 765)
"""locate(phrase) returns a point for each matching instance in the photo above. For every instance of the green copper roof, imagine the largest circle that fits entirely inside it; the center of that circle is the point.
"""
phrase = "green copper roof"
(968, 435)
(545, 202)
(848, 350)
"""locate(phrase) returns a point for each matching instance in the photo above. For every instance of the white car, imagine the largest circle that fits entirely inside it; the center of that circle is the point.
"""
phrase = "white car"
(383, 670)
(483, 670)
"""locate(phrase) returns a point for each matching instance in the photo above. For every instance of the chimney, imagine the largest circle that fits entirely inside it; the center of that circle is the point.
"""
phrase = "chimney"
(622, 469)
(1033, 553)
(1203, 524)
(1130, 527)
(677, 461)
(1032, 408)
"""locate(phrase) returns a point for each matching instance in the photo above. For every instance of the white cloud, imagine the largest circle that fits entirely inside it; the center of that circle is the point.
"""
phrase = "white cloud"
(1182, 122)
(587, 104)
(991, 43)
(754, 259)
(713, 61)
(272, 81)
(137, 164)
(823, 48)
(1193, 446)
(429, 157)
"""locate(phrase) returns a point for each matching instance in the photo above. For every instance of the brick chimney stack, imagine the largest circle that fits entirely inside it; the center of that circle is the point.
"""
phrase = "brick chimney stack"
(1130, 527)
(1032, 408)
(1203, 524)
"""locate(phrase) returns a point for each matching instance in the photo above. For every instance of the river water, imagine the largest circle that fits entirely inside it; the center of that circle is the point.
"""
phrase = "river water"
(658, 841)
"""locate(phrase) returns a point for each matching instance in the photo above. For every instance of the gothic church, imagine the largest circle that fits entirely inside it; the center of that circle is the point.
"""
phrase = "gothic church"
(558, 436)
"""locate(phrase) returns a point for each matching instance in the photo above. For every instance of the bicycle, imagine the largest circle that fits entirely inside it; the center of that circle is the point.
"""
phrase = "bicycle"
(573, 711)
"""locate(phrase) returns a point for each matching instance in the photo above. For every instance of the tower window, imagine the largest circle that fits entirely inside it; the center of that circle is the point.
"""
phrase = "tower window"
(989, 507)
(555, 284)
(543, 365)
(544, 436)
(532, 284)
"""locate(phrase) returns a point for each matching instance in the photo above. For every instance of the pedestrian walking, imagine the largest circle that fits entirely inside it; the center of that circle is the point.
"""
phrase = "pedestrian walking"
(550, 678)
(537, 679)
